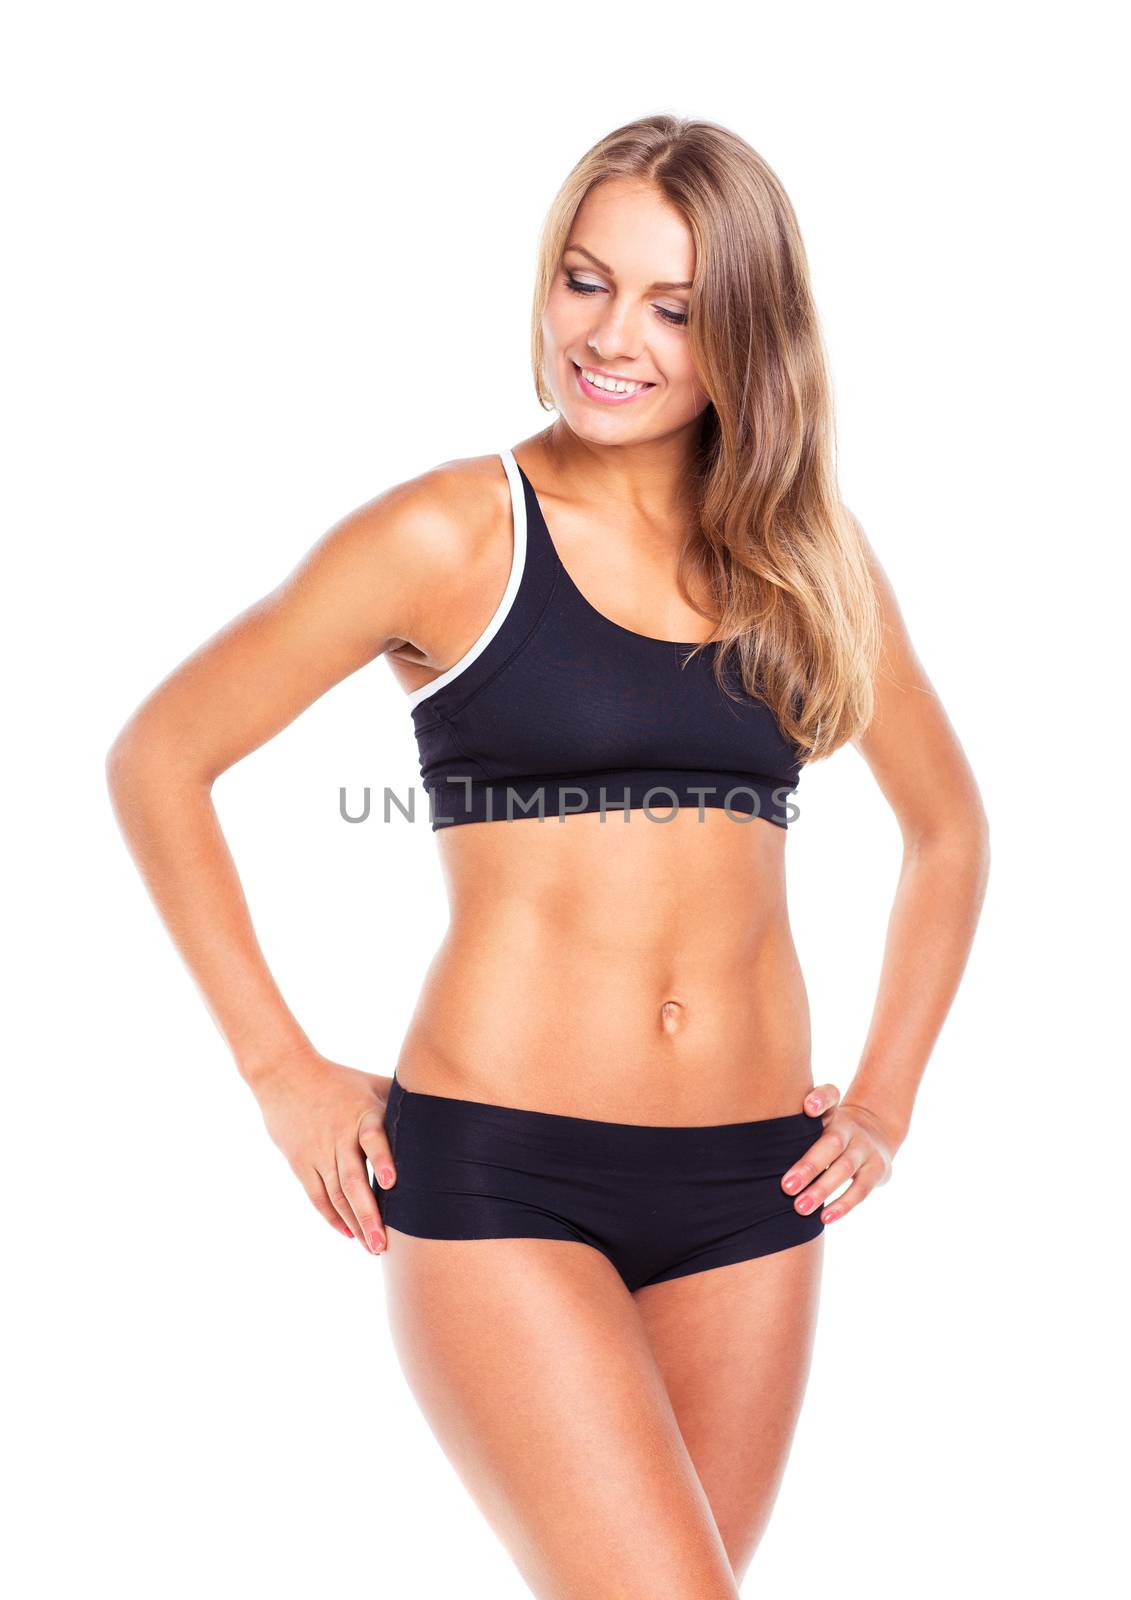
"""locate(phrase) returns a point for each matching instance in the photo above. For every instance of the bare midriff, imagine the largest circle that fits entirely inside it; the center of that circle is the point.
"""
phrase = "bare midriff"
(626, 970)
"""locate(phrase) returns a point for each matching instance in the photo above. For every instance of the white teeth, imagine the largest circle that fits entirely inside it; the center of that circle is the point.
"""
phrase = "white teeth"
(614, 385)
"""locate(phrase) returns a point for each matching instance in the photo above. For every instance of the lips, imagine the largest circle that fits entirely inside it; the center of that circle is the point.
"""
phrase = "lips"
(609, 396)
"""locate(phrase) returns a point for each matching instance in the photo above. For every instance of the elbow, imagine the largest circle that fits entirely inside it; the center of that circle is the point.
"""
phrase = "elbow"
(128, 755)
(977, 829)
(979, 849)
(984, 832)
(119, 758)
(144, 760)
(122, 769)
(959, 832)
(126, 766)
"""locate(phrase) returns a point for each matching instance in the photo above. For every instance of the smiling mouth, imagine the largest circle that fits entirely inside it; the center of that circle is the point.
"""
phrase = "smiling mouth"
(596, 385)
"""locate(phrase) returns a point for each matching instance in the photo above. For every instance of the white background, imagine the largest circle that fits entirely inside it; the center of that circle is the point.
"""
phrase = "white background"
(264, 261)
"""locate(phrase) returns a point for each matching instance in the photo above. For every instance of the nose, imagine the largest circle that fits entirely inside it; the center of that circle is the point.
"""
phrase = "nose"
(615, 335)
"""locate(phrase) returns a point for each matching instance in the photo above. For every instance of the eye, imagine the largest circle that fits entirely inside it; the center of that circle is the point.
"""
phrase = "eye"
(581, 288)
(677, 319)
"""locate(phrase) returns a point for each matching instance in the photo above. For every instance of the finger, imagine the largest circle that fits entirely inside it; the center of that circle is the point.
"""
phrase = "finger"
(822, 1097)
(355, 1186)
(320, 1200)
(842, 1169)
(371, 1138)
(857, 1190)
(828, 1147)
(339, 1200)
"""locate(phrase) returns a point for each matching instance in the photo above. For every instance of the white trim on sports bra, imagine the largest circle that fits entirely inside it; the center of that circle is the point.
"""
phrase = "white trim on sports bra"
(518, 562)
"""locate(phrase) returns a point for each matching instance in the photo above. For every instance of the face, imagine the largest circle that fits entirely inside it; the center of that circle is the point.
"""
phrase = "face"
(618, 310)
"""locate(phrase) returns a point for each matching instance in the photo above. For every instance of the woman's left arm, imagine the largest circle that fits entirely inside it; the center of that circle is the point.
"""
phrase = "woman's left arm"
(922, 771)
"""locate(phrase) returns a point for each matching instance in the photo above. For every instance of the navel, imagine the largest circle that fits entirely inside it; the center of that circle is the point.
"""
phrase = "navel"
(671, 1016)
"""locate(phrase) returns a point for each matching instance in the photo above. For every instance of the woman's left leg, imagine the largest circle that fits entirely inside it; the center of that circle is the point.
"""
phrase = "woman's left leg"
(734, 1345)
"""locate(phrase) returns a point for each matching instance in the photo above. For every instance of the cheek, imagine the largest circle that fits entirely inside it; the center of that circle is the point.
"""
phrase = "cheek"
(678, 365)
(682, 379)
(562, 320)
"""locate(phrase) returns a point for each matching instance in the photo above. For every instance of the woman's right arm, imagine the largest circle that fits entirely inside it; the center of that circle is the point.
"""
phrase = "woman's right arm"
(378, 578)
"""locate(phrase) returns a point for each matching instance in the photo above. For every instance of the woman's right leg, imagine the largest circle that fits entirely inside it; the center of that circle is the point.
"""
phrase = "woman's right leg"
(529, 1360)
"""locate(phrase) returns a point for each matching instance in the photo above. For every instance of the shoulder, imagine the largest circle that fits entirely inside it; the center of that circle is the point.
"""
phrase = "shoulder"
(452, 508)
(414, 548)
(443, 518)
(444, 539)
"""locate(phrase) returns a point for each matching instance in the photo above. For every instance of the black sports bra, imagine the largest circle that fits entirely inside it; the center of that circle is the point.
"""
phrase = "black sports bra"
(557, 709)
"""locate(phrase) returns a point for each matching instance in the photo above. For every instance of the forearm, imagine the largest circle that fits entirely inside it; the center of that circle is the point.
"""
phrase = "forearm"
(934, 917)
(173, 833)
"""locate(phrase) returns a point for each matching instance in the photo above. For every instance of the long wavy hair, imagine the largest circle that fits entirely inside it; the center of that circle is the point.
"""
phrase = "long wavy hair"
(782, 558)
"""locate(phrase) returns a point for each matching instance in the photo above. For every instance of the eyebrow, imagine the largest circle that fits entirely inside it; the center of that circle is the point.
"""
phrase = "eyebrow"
(601, 267)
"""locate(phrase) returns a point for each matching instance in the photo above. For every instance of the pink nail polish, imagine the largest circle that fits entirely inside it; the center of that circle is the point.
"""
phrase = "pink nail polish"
(385, 1177)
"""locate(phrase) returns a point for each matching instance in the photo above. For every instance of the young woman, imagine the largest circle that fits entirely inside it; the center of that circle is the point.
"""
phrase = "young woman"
(601, 1171)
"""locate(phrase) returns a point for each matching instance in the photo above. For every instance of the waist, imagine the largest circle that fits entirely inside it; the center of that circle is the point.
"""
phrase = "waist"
(677, 1029)
(627, 971)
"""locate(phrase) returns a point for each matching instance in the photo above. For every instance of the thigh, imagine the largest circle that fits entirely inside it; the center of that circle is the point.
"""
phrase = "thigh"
(734, 1345)
(530, 1363)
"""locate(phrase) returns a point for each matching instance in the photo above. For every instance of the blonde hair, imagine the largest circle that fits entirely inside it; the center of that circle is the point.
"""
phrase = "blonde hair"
(782, 558)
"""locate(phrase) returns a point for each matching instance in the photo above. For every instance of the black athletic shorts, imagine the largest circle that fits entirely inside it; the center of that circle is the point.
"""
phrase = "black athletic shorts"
(658, 1201)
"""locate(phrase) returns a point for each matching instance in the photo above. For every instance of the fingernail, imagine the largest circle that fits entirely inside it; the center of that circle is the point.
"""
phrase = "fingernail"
(385, 1177)
(806, 1203)
(375, 1242)
(792, 1183)
(814, 1105)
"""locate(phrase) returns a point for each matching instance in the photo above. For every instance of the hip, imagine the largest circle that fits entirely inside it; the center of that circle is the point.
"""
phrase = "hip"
(659, 1200)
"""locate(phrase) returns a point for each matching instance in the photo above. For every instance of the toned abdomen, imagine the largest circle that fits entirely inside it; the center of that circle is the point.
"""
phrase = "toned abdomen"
(632, 972)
